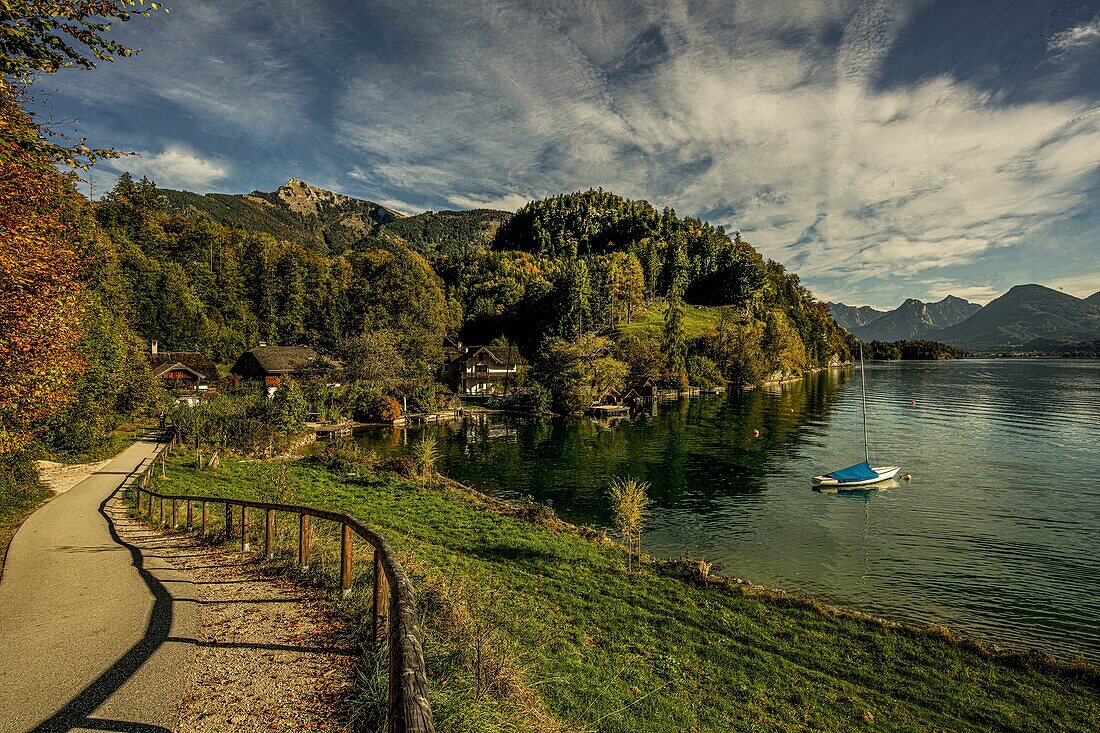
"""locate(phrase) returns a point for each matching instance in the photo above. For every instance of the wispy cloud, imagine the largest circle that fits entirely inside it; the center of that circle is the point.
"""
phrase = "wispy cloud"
(1077, 37)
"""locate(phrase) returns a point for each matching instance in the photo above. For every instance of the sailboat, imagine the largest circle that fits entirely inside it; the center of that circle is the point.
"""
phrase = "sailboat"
(861, 474)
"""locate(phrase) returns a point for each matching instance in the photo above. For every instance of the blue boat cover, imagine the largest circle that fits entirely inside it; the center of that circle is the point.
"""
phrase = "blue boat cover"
(858, 472)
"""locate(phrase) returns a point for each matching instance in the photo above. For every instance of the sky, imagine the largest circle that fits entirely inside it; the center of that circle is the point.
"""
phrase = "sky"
(881, 150)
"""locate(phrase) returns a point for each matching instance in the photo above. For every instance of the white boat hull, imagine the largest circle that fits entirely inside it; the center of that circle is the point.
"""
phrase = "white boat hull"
(885, 473)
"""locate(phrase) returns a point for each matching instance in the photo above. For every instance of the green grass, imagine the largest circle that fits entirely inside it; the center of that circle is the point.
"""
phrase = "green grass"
(650, 321)
(576, 642)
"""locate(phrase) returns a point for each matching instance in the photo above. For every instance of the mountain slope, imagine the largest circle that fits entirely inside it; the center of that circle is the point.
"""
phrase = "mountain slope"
(854, 316)
(915, 319)
(331, 222)
(436, 233)
(1094, 299)
(1026, 313)
(296, 212)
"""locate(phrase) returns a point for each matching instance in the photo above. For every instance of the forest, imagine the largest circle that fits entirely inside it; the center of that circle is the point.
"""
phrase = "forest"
(910, 350)
(563, 279)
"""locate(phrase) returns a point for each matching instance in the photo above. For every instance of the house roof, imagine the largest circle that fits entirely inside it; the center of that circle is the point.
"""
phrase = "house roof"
(191, 359)
(474, 351)
(284, 359)
(169, 366)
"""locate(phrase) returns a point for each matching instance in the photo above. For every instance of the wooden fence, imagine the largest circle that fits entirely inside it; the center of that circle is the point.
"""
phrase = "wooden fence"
(394, 606)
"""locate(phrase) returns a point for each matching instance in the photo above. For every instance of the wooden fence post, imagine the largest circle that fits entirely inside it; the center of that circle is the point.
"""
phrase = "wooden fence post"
(269, 535)
(229, 521)
(190, 517)
(162, 512)
(137, 497)
(303, 541)
(395, 722)
(175, 521)
(205, 518)
(380, 605)
(345, 560)
(244, 529)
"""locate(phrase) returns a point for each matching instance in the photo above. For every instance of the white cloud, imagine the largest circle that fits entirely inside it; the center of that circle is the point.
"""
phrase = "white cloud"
(174, 167)
(507, 202)
(1081, 36)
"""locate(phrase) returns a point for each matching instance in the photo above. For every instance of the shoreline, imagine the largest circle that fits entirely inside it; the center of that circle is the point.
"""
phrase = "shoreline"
(686, 569)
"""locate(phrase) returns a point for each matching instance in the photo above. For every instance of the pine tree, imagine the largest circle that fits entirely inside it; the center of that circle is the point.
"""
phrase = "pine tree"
(673, 345)
(578, 296)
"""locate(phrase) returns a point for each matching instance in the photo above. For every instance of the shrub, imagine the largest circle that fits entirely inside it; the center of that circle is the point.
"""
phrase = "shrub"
(426, 453)
(368, 406)
(424, 399)
(20, 486)
(630, 503)
(401, 465)
(703, 372)
(289, 406)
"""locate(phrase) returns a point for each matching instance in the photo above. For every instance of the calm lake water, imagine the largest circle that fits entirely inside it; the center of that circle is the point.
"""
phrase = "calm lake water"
(997, 534)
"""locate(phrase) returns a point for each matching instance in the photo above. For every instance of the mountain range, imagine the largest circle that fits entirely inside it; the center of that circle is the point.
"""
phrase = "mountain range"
(1027, 318)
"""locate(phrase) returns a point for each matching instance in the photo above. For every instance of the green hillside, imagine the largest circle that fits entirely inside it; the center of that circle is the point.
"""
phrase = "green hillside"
(699, 320)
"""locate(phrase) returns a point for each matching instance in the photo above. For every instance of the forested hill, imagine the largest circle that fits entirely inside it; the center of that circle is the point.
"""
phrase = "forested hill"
(302, 265)
(301, 213)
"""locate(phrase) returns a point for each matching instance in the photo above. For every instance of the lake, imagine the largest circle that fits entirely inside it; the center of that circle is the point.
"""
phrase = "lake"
(997, 535)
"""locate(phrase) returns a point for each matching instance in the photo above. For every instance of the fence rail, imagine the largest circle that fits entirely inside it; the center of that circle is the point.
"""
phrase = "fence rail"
(393, 611)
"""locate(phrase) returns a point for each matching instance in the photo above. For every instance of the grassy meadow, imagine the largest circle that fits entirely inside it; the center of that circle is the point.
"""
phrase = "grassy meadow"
(531, 627)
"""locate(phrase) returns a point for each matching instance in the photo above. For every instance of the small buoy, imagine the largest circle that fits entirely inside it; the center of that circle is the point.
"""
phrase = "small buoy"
(756, 433)
(913, 402)
(907, 477)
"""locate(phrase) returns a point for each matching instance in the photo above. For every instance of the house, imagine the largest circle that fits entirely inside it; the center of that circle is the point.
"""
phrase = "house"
(478, 370)
(611, 396)
(640, 390)
(182, 371)
(270, 365)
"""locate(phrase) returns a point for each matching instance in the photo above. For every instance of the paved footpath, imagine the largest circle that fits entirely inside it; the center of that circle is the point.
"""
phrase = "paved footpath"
(85, 619)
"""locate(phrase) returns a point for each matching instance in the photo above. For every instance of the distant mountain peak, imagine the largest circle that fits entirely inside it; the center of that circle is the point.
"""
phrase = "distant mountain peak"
(853, 316)
(306, 199)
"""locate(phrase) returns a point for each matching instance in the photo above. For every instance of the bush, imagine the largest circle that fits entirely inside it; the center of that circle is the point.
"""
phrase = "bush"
(20, 487)
(401, 465)
(289, 406)
(702, 372)
(369, 406)
(536, 399)
(424, 399)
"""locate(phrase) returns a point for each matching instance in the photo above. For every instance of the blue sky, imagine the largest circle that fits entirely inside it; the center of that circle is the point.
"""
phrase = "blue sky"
(882, 150)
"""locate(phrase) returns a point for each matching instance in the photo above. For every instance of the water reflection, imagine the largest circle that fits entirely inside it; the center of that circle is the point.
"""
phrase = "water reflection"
(995, 534)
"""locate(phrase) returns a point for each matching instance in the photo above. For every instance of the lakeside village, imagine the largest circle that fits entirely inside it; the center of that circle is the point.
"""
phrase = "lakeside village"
(470, 380)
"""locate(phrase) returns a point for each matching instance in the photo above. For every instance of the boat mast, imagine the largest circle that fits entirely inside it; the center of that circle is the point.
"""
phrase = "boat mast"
(863, 383)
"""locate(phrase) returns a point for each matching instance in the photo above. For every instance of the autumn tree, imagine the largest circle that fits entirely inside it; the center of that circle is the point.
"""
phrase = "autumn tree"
(43, 221)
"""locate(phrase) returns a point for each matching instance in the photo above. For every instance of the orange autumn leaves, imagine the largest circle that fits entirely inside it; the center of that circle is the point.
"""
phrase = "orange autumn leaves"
(42, 224)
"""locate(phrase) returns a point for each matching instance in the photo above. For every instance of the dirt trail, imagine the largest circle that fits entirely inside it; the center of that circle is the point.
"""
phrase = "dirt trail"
(63, 476)
(264, 658)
